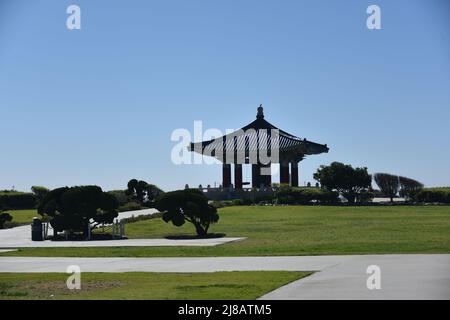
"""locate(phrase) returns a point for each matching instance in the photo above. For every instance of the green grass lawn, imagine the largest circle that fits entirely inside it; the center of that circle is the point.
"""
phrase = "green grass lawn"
(23, 216)
(295, 230)
(134, 285)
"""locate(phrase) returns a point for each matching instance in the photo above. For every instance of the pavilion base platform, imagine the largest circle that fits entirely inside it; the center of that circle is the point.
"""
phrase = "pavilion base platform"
(20, 237)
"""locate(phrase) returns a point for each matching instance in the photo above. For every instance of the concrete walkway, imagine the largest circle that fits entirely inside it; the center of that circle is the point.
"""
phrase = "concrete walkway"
(407, 277)
(415, 276)
(197, 264)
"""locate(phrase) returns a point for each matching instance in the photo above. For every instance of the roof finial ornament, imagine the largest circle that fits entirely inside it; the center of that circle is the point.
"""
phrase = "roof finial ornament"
(260, 114)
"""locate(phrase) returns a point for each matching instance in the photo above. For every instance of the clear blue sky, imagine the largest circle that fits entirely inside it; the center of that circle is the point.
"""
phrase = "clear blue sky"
(98, 105)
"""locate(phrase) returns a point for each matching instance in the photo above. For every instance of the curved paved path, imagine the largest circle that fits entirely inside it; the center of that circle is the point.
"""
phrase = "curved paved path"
(408, 276)
(416, 276)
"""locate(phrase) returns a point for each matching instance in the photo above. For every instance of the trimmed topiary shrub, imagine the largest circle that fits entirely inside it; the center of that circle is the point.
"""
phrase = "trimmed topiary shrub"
(78, 208)
(189, 205)
(409, 188)
(4, 217)
(389, 184)
(39, 192)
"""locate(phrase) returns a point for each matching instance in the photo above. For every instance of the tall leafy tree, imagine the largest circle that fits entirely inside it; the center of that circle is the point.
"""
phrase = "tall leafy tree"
(142, 192)
(348, 181)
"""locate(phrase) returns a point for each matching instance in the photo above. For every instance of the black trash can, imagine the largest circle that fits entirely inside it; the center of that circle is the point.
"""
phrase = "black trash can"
(36, 230)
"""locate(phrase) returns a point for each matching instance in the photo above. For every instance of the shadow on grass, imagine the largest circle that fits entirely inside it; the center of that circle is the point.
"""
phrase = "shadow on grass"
(80, 237)
(193, 237)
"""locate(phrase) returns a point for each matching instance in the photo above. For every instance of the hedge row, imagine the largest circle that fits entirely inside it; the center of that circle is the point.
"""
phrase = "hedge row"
(130, 206)
(432, 195)
(17, 200)
(236, 202)
(288, 195)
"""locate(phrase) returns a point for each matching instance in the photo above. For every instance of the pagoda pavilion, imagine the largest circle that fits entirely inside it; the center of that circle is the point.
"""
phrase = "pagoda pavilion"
(248, 145)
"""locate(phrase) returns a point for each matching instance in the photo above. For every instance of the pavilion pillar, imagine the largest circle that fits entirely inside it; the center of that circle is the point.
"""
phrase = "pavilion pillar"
(226, 175)
(284, 172)
(266, 177)
(294, 174)
(256, 176)
(238, 176)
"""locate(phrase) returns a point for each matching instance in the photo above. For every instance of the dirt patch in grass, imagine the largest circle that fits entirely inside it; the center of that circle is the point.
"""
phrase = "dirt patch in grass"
(145, 285)
(53, 289)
